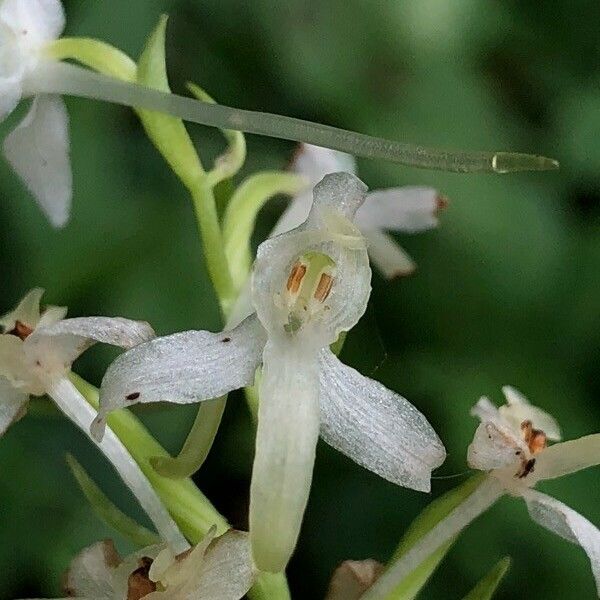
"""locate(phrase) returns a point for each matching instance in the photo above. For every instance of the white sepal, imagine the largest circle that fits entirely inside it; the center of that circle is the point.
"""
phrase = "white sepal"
(389, 258)
(406, 209)
(568, 524)
(38, 150)
(185, 367)
(376, 427)
(568, 457)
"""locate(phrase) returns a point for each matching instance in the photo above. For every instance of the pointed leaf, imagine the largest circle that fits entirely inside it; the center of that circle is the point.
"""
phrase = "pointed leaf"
(429, 517)
(167, 133)
(107, 511)
(486, 588)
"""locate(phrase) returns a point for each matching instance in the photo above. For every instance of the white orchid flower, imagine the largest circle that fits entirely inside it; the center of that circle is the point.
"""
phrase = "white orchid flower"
(403, 209)
(38, 148)
(215, 569)
(36, 353)
(511, 446)
(309, 285)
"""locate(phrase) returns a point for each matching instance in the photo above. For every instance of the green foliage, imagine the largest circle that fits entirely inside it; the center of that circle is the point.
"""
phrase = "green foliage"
(487, 587)
(106, 510)
(506, 290)
(435, 512)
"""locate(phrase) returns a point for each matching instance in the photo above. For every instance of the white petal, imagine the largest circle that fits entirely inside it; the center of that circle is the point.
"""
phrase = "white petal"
(485, 410)
(567, 523)
(38, 150)
(185, 367)
(328, 231)
(406, 209)
(288, 429)
(494, 447)
(376, 427)
(13, 405)
(27, 311)
(70, 337)
(52, 315)
(295, 214)
(389, 258)
(227, 571)
(36, 21)
(568, 457)
(13, 365)
(70, 401)
(479, 501)
(353, 578)
(518, 409)
(315, 162)
(90, 574)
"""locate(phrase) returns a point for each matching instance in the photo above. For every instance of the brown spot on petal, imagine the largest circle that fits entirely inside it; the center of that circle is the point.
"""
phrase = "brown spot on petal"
(441, 202)
(139, 583)
(21, 330)
(133, 396)
(226, 339)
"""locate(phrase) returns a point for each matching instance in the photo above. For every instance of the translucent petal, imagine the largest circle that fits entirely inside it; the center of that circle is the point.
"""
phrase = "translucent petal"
(12, 362)
(13, 405)
(315, 162)
(288, 429)
(185, 367)
(327, 231)
(27, 311)
(353, 578)
(37, 21)
(70, 402)
(518, 410)
(389, 258)
(567, 523)
(568, 457)
(70, 337)
(90, 573)
(227, 571)
(376, 427)
(406, 209)
(494, 447)
(38, 150)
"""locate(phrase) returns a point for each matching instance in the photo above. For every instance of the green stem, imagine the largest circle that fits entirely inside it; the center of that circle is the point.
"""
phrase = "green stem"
(207, 218)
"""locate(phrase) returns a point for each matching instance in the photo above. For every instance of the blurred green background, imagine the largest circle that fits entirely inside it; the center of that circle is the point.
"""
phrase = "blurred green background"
(507, 289)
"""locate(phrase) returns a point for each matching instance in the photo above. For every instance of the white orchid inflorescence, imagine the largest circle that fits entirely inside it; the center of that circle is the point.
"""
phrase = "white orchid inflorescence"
(308, 286)
(37, 350)
(511, 446)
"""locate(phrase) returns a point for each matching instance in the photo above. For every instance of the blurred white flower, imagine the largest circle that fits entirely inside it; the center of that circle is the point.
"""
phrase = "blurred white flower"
(309, 285)
(353, 578)
(38, 148)
(215, 569)
(36, 353)
(402, 210)
(511, 446)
